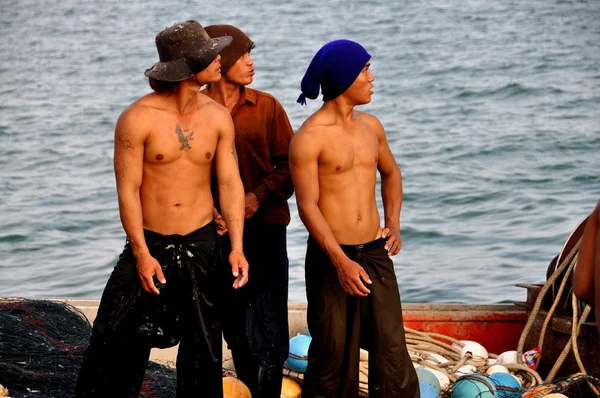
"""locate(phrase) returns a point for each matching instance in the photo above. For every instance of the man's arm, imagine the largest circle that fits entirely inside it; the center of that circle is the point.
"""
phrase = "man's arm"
(304, 156)
(391, 189)
(130, 138)
(231, 196)
(279, 182)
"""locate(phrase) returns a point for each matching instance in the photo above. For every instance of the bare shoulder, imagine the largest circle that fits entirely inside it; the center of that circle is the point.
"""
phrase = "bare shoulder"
(208, 104)
(138, 117)
(372, 122)
(310, 129)
(145, 109)
(211, 110)
(308, 137)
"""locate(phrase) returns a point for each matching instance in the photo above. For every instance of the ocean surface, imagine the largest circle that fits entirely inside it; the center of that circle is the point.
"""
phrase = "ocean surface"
(492, 110)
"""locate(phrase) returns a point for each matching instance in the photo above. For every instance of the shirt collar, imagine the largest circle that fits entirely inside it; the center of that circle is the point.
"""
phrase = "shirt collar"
(248, 95)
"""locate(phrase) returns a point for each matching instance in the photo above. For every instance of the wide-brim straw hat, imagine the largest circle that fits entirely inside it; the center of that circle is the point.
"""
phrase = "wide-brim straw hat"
(184, 50)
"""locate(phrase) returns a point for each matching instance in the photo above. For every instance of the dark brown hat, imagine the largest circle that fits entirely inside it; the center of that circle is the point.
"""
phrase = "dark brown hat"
(240, 44)
(184, 49)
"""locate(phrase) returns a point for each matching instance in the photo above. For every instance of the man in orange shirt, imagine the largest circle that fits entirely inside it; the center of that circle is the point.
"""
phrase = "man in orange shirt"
(256, 323)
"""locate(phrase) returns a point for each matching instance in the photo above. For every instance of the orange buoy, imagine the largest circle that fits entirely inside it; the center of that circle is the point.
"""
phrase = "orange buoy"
(235, 388)
(4, 391)
(290, 388)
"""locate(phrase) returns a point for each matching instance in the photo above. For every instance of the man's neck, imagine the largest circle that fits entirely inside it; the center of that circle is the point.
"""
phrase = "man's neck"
(185, 95)
(341, 110)
(225, 93)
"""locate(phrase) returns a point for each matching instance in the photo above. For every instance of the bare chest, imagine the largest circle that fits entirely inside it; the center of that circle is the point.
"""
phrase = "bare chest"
(174, 142)
(346, 154)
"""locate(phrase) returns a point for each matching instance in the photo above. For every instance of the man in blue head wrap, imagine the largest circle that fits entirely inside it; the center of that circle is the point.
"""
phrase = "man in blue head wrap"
(351, 287)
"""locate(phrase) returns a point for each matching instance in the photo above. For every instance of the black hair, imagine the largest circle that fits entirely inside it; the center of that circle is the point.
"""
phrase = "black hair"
(161, 86)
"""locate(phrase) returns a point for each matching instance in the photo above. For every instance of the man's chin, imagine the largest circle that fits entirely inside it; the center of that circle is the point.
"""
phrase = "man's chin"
(243, 82)
(210, 80)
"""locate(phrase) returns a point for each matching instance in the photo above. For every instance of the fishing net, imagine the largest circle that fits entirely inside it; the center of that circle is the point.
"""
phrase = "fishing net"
(160, 381)
(41, 345)
(576, 386)
(41, 348)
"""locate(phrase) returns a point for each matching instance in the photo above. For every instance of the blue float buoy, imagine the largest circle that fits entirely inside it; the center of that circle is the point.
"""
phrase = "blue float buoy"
(474, 386)
(427, 390)
(298, 359)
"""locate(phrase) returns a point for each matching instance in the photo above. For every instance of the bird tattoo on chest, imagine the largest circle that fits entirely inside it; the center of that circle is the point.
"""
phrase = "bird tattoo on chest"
(184, 140)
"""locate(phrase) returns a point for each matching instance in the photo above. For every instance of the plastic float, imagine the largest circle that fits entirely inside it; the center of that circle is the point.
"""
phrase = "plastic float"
(290, 388)
(426, 376)
(235, 388)
(474, 386)
(298, 359)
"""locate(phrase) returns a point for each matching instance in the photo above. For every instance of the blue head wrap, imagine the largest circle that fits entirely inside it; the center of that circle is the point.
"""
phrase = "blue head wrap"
(334, 67)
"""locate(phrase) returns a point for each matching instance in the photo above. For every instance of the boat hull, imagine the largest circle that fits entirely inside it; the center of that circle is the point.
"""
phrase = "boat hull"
(496, 327)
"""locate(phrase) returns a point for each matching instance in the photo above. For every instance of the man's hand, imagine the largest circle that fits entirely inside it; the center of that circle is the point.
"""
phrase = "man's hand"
(221, 224)
(351, 276)
(394, 240)
(147, 267)
(239, 268)
(251, 204)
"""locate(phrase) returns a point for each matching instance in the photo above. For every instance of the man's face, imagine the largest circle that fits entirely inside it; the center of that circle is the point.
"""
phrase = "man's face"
(360, 91)
(242, 72)
(212, 73)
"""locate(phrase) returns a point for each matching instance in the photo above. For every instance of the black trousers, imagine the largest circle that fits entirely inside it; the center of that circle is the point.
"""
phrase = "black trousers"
(131, 321)
(255, 326)
(341, 324)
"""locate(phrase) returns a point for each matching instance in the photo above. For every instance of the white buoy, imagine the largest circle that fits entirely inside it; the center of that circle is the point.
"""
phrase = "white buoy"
(465, 370)
(497, 369)
(459, 347)
(507, 358)
(435, 359)
(478, 353)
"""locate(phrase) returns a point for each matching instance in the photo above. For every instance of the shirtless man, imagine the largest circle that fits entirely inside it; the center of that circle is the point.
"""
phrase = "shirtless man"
(351, 287)
(165, 287)
(586, 278)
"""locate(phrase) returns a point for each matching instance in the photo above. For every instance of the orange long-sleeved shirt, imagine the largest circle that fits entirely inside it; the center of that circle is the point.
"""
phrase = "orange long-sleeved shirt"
(262, 139)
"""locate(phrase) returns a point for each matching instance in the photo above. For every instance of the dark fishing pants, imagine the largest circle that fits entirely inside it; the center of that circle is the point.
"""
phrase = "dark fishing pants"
(255, 326)
(341, 324)
(131, 321)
